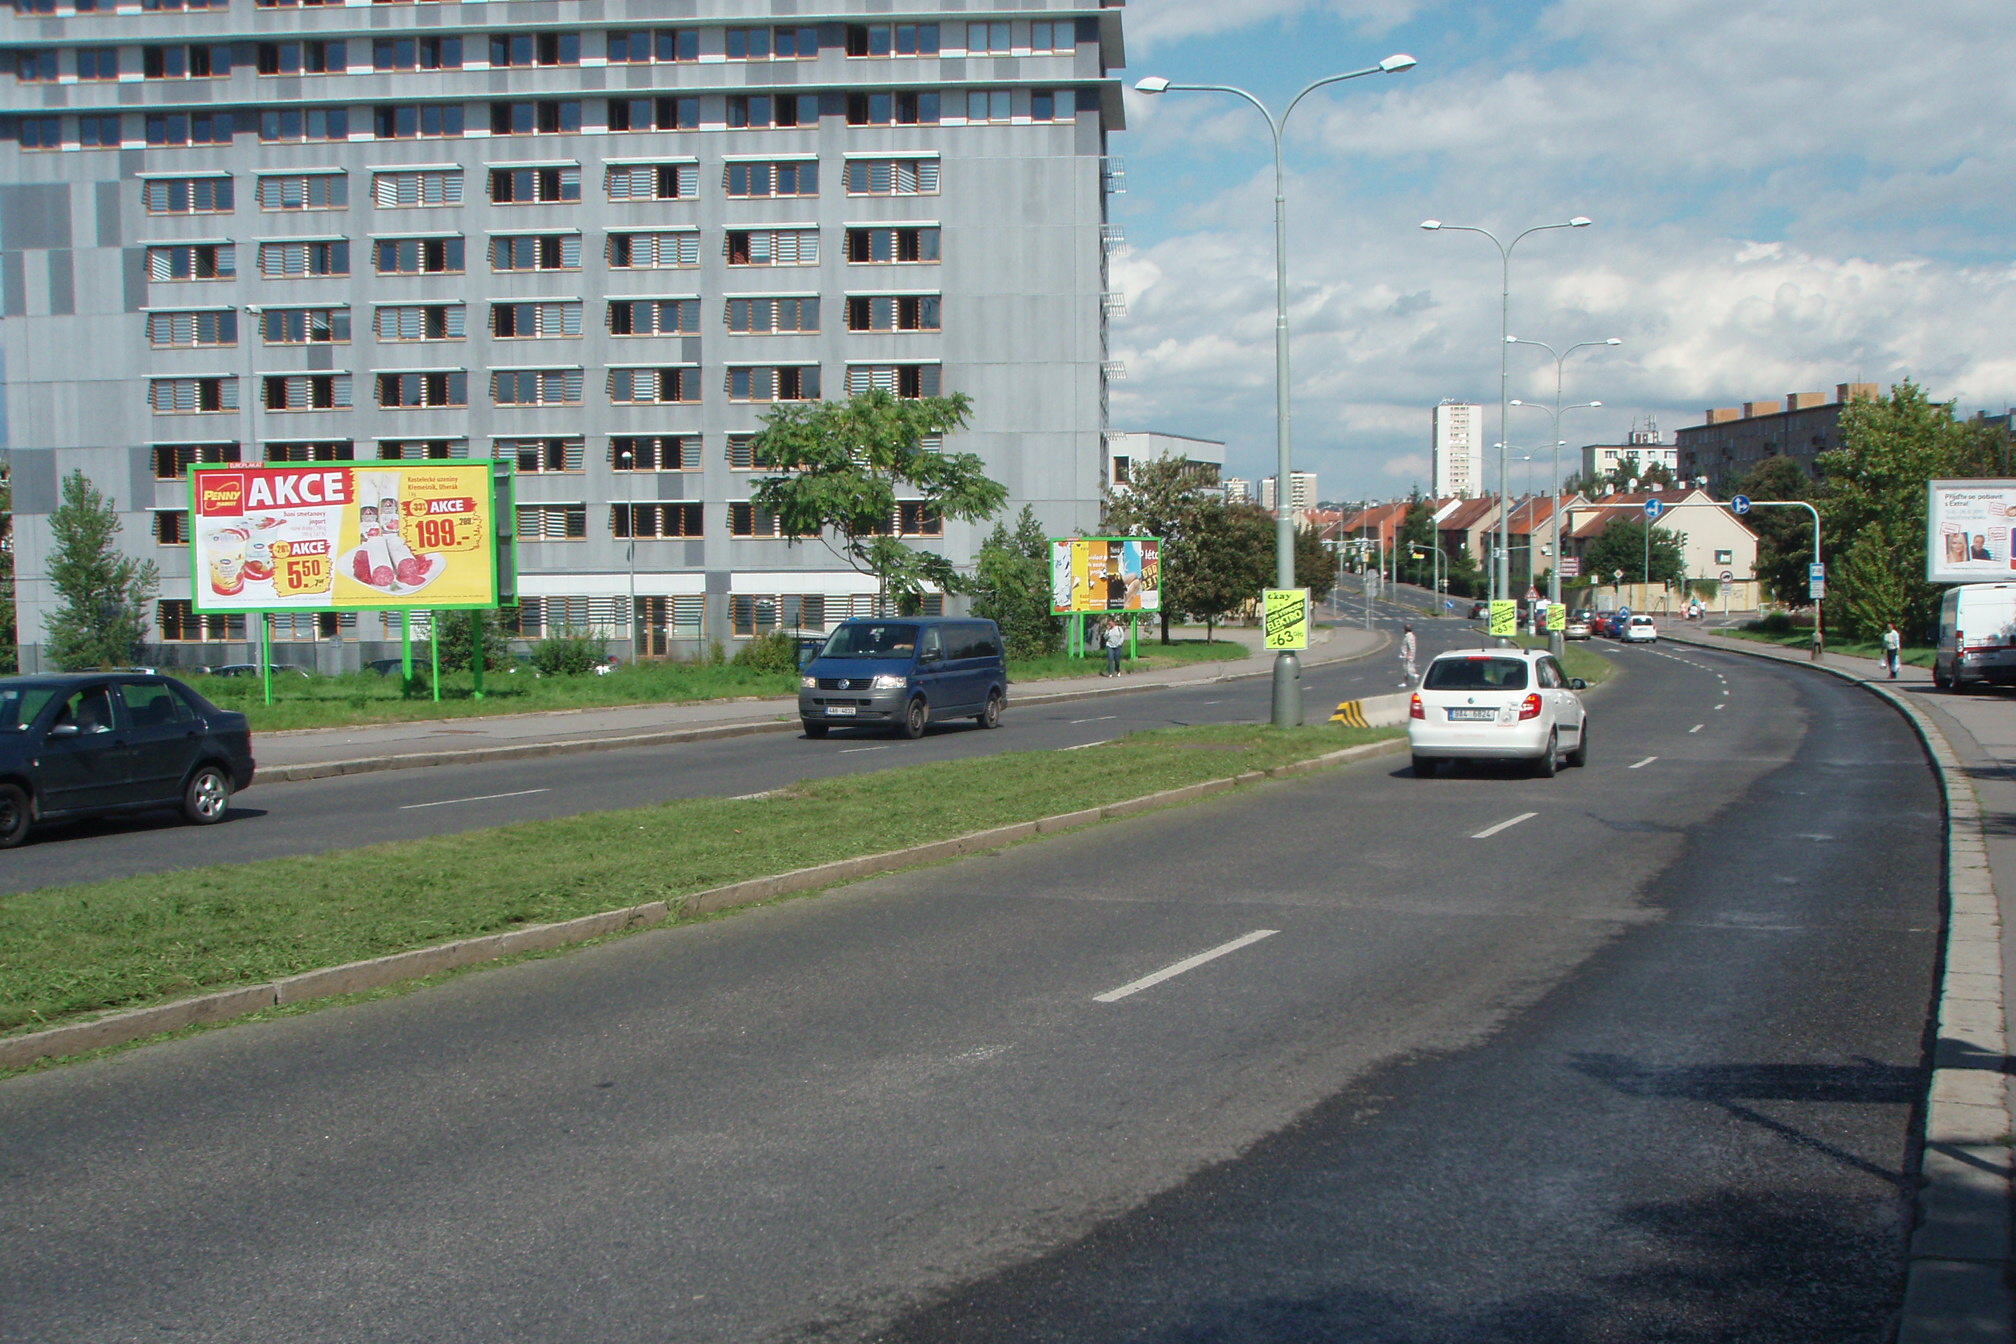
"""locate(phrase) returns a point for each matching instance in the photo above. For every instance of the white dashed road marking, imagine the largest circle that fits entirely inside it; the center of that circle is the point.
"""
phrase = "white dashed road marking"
(1642, 764)
(481, 798)
(1490, 831)
(1187, 964)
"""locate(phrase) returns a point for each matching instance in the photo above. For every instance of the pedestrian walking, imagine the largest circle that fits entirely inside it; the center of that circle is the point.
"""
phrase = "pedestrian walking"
(1893, 648)
(1409, 649)
(1115, 639)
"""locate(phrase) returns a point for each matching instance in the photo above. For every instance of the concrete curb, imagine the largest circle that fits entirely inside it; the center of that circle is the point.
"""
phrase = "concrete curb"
(1956, 1289)
(378, 972)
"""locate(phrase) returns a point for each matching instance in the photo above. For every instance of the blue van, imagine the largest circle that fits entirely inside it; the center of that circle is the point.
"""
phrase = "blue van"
(901, 672)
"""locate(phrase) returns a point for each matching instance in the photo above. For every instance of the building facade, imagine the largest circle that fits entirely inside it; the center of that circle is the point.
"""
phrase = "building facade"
(1643, 451)
(1733, 440)
(597, 238)
(1456, 447)
(1126, 449)
(1302, 494)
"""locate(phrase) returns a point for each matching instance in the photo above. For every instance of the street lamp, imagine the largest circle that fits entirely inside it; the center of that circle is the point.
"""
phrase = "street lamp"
(1560, 359)
(626, 459)
(1500, 578)
(1287, 689)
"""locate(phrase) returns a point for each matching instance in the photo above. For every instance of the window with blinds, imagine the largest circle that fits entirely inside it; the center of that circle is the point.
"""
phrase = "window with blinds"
(542, 457)
(192, 396)
(177, 622)
(536, 252)
(904, 380)
(421, 450)
(306, 392)
(317, 450)
(790, 382)
(552, 522)
(757, 180)
(407, 391)
(655, 452)
(653, 181)
(668, 618)
(304, 326)
(894, 246)
(640, 387)
(656, 520)
(539, 617)
(416, 189)
(304, 191)
(187, 195)
(192, 261)
(753, 614)
(523, 321)
(171, 527)
(421, 322)
(173, 460)
(535, 186)
(894, 312)
(654, 317)
(296, 261)
(892, 177)
(772, 247)
(759, 316)
(305, 627)
(535, 387)
(418, 256)
(211, 327)
(652, 114)
(654, 251)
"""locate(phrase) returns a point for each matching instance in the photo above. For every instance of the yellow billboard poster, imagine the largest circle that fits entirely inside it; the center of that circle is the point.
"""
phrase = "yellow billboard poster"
(1105, 574)
(1504, 618)
(1286, 616)
(386, 536)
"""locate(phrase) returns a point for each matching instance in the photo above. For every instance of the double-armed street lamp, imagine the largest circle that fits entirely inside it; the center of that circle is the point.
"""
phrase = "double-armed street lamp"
(1500, 578)
(1287, 688)
(1560, 360)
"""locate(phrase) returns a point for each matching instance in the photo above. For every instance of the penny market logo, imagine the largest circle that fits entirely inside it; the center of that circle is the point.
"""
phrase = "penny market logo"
(222, 494)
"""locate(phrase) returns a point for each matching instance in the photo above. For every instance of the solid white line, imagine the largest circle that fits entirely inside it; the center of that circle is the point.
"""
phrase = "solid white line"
(1103, 718)
(1642, 764)
(1187, 964)
(450, 802)
(1504, 826)
(851, 750)
(1697, 727)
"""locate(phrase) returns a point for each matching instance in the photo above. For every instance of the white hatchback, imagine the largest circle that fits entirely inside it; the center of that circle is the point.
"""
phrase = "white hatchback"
(1639, 630)
(1498, 704)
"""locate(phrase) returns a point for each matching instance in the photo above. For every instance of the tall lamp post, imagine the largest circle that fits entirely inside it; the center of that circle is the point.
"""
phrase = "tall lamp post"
(1500, 577)
(1560, 359)
(1287, 689)
(627, 460)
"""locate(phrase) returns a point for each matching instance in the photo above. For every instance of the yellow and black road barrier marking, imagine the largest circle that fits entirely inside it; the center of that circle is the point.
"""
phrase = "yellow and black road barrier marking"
(1351, 714)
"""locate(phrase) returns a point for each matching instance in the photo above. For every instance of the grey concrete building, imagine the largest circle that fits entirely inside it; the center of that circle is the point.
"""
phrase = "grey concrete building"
(597, 237)
(1733, 440)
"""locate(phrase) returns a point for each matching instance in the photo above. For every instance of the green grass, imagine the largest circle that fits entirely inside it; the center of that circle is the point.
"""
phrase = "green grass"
(365, 697)
(1803, 640)
(66, 952)
(1577, 659)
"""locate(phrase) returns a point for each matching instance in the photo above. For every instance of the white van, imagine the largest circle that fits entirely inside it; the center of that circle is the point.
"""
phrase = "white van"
(1977, 636)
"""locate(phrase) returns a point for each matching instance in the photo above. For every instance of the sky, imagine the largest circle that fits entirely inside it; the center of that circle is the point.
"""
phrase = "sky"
(1784, 197)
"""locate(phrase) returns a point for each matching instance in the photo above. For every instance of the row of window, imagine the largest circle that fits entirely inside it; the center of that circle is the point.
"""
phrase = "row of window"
(656, 520)
(322, 56)
(556, 116)
(215, 328)
(435, 388)
(564, 454)
(541, 184)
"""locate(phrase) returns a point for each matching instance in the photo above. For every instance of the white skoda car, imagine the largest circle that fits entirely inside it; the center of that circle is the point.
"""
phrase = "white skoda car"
(1498, 704)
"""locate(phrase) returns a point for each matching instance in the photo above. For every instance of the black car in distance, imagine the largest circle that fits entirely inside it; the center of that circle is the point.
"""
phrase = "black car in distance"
(94, 744)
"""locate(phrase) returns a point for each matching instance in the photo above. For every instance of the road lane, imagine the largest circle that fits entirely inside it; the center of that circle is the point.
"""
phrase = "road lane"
(1650, 1046)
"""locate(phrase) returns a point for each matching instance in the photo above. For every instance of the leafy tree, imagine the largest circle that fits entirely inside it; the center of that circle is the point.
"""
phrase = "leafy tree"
(1872, 502)
(102, 594)
(1315, 563)
(1416, 533)
(847, 463)
(1621, 545)
(1162, 499)
(1220, 562)
(457, 632)
(1011, 587)
(1784, 536)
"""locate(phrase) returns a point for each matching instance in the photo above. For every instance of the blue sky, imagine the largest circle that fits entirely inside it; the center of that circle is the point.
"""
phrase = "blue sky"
(1786, 197)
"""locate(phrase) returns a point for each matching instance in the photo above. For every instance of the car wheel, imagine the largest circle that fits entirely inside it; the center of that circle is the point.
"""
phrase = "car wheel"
(207, 796)
(1550, 759)
(990, 717)
(814, 729)
(1424, 767)
(1580, 756)
(914, 718)
(15, 815)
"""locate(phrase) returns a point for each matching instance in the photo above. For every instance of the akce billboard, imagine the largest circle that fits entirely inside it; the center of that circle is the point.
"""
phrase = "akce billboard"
(1970, 531)
(338, 537)
(1105, 574)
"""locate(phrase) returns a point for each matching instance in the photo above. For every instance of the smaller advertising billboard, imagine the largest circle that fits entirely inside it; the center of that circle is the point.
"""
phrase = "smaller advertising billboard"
(1105, 574)
(1970, 531)
(334, 536)
(1286, 615)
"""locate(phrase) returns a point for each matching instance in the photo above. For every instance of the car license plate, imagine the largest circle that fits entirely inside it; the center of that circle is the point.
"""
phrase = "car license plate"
(1481, 715)
(840, 711)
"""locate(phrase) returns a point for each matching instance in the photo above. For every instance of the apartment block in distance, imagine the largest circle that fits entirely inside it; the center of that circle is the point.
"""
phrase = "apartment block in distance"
(596, 238)
(1454, 430)
(1733, 440)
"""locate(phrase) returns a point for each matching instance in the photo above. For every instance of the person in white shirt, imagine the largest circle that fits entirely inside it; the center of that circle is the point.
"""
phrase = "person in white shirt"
(1409, 649)
(1893, 648)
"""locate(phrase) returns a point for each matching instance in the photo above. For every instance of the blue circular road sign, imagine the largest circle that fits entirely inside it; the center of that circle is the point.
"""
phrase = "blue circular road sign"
(1741, 503)
(1652, 507)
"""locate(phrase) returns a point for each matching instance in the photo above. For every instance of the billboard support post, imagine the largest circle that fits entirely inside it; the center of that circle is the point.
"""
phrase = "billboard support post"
(434, 650)
(405, 646)
(266, 654)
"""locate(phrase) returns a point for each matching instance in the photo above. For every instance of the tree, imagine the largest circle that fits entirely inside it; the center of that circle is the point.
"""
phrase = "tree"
(1784, 536)
(1872, 502)
(847, 466)
(1315, 563)
(457, 632)
(1162, 499)
(102, 595)
(1220, 562)
(1621, 545)
(1416, 539)
(1011, 587)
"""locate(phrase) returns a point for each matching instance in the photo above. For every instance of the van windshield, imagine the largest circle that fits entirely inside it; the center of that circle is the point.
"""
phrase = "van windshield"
(1476, 674)
(872, 640)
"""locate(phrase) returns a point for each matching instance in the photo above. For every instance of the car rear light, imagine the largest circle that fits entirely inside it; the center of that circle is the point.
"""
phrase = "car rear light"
(1529, 708)
(1414, 710)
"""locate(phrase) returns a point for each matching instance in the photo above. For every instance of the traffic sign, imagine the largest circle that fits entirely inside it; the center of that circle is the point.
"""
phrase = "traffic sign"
(1532, 594)
(1571, 566)
(1741, 504)
(1727, 577)
(1816, 581)
(1653, 506)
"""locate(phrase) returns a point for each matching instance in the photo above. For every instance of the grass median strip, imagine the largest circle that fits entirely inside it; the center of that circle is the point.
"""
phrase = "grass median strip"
(69, 952)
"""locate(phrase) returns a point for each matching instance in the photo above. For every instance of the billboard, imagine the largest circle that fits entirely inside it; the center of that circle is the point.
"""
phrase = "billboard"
(1970, 531)
(1105, 574)
(337, 536)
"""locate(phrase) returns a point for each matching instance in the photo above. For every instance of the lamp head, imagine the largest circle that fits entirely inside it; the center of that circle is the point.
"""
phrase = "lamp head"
(1580, 222)
(1397, 62)
(1431, 224)
(1152, 84)
(1614, 340)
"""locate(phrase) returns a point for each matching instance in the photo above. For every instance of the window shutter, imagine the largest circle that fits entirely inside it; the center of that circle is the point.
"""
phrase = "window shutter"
(570, 251)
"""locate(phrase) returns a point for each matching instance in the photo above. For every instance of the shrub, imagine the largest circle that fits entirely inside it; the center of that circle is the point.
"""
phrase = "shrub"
(570, 654)
(774, 652)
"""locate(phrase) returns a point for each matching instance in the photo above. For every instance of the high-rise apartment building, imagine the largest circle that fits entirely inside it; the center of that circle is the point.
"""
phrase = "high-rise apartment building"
(1301, 491)
(596, 238)
(1457, 449)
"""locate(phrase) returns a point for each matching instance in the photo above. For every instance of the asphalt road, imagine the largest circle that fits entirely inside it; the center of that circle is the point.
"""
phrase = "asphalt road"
(1629, 1054)
(269, 821)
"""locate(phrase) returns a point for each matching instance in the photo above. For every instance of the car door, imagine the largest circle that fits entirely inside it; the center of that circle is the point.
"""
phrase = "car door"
(931, 676)
(84, 761)
(1566, 705)
(164, 735)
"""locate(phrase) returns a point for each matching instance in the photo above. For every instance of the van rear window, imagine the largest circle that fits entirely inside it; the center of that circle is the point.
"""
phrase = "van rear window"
(1476, 674)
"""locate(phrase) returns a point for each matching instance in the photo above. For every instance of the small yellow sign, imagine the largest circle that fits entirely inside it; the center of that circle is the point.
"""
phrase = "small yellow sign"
(1287, 618)
(1557, 617)
(1505, 618)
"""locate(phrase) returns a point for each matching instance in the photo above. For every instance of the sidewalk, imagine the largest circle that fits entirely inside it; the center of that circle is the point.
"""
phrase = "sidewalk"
(1960, 1285)
(322, 752)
